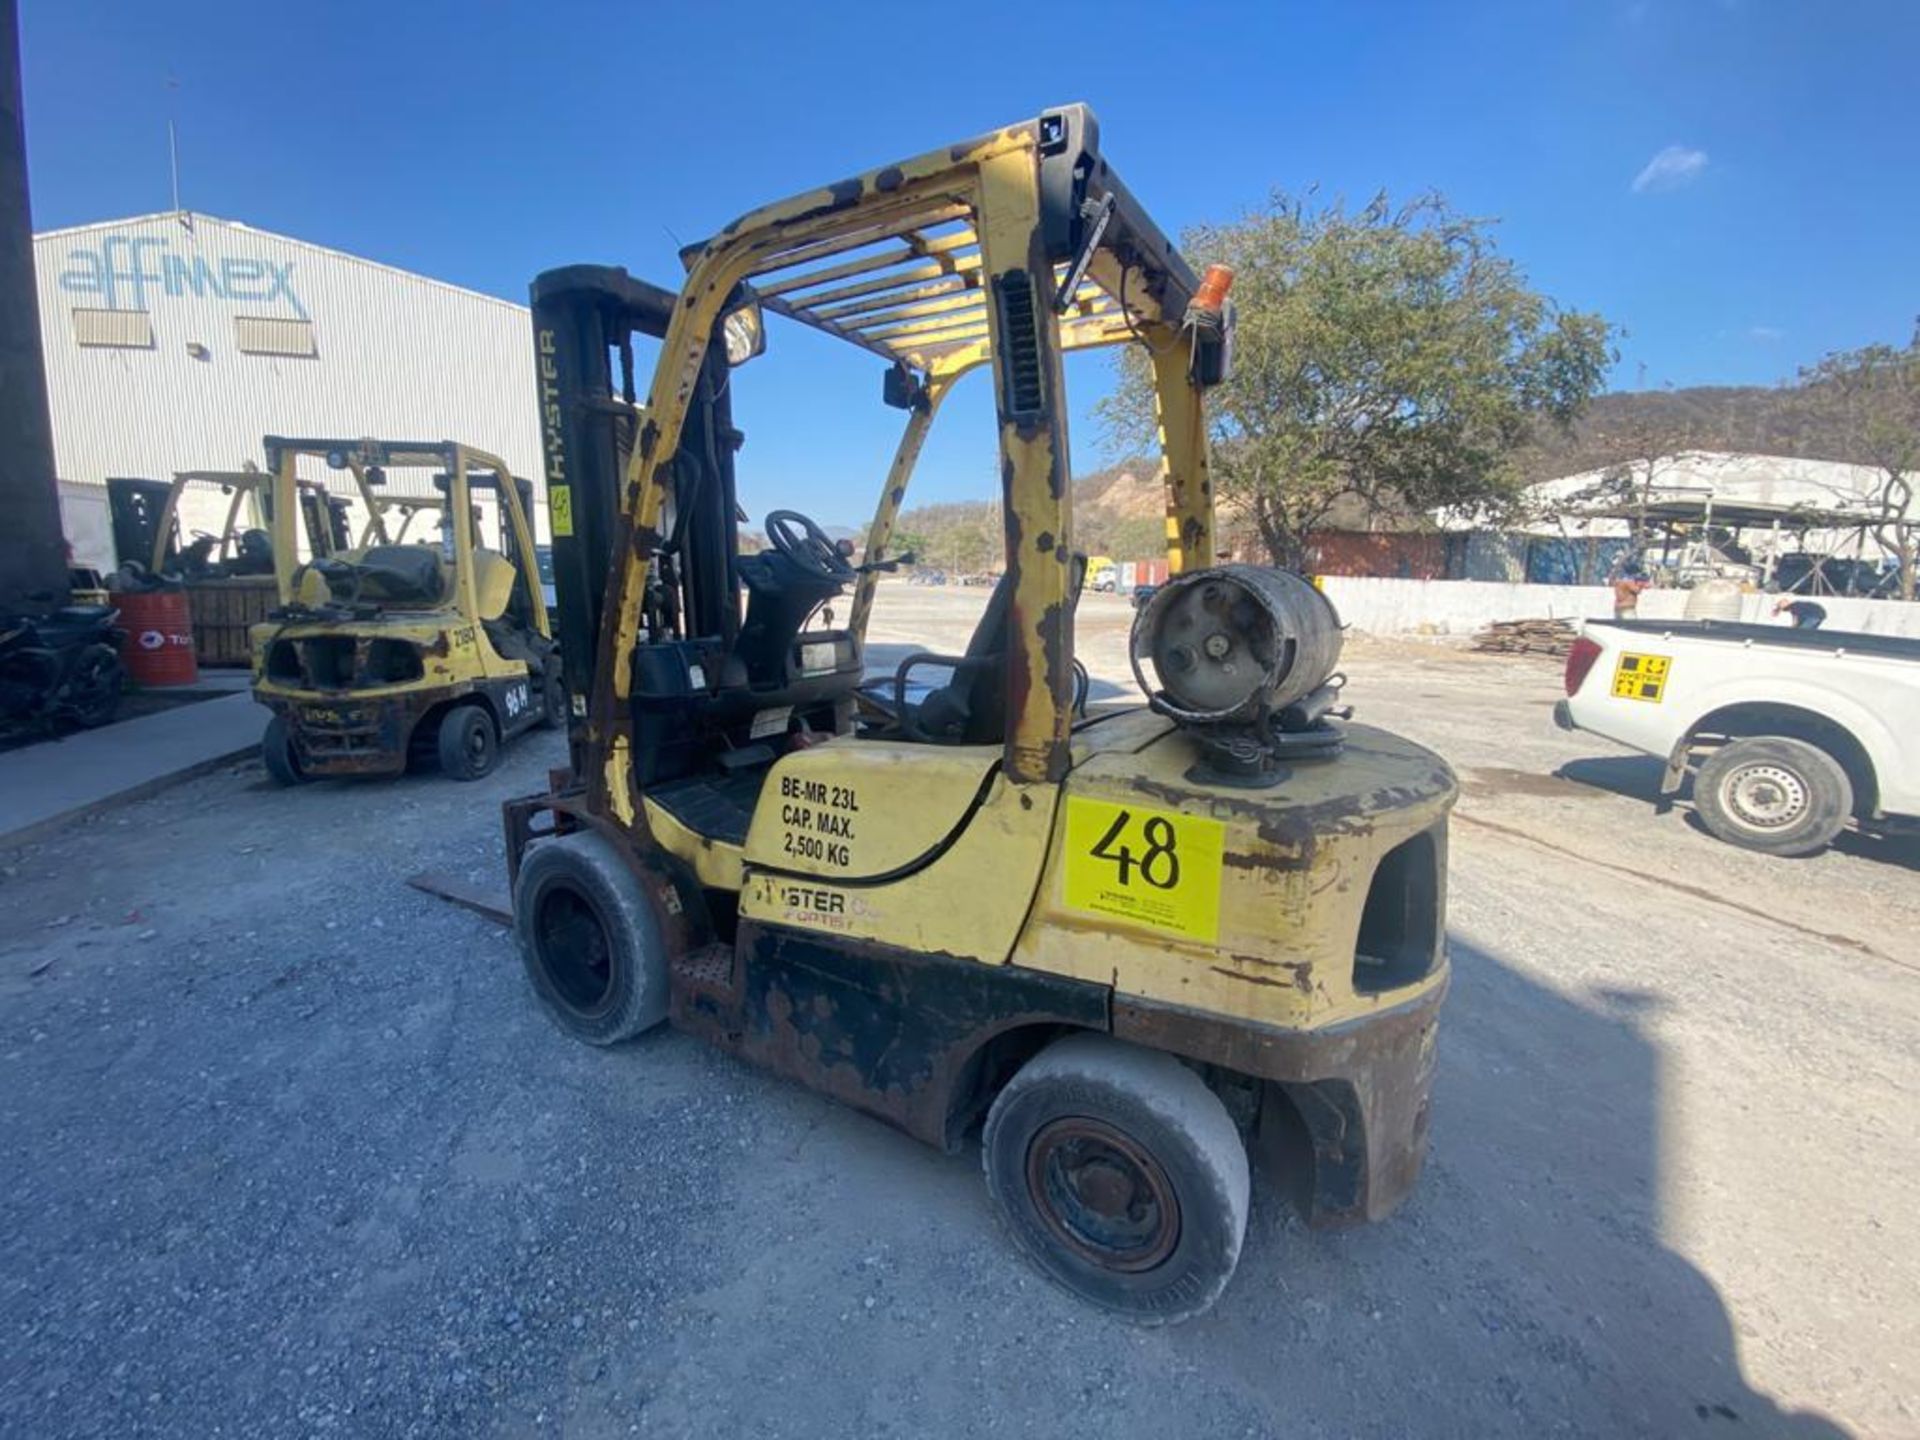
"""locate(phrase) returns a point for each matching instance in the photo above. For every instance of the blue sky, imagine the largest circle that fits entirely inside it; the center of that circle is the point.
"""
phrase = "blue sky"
(1733, 181)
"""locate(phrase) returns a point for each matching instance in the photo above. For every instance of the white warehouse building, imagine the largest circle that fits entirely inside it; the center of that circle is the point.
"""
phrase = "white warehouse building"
(176, 341)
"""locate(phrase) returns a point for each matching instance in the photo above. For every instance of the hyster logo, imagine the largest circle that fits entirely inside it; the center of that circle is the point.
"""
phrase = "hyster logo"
(823, 902)
(127, 270)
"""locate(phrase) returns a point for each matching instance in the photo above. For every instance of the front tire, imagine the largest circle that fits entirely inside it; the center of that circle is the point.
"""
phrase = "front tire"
(469, 744)
(589, 938)
(1773, 794)
(277, 754)
(1121, 1176)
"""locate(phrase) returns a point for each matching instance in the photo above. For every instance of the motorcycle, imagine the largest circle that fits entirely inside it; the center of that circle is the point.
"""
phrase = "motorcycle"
(62, 668)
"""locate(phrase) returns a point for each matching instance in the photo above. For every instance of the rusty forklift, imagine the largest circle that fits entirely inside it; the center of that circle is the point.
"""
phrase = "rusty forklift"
(388, 653)
(1135, 944)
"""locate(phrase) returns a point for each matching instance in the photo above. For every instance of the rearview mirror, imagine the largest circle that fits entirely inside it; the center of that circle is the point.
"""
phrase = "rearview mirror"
(902, 389)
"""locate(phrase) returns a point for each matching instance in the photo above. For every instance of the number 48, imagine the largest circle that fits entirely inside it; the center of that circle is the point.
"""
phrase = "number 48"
(1159, 865)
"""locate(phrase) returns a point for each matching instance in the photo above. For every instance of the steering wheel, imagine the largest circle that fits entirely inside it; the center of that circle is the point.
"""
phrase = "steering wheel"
(807, 545)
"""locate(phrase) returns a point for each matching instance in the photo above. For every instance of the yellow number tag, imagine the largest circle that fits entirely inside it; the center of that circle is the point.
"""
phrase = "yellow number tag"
(1641, 677)
(1156, 868)
(560, 509)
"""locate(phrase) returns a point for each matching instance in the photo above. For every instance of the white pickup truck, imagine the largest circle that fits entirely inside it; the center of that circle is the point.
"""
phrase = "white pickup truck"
(1789, 733)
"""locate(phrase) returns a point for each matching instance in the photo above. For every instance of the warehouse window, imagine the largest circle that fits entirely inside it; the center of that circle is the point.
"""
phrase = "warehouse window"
(116, 329)
(271, 335)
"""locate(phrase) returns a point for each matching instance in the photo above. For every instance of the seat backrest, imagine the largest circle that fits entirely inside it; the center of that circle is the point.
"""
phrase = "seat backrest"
(494, 577)
(401, 574)
(983, 688)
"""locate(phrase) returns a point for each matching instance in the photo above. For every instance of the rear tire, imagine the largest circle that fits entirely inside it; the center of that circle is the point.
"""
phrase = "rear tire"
(1773, 794)
(589, 939)
(1121, 1176)
(468, 742)
(277, 754)
(553, 699)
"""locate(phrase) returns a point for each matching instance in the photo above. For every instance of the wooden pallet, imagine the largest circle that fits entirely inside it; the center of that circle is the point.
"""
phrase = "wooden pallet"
(1526, 637)
(224, 611)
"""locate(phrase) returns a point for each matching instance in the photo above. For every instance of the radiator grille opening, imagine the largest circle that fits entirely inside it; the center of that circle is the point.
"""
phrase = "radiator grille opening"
(1019, 343)
(329, 661)
(1400, 927)
(394, 662)
(283, 662)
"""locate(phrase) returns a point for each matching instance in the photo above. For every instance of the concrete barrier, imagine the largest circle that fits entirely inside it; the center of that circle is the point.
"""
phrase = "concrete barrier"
(1463, 607)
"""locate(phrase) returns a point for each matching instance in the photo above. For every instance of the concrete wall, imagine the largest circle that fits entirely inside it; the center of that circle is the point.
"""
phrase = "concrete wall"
(1463, 607)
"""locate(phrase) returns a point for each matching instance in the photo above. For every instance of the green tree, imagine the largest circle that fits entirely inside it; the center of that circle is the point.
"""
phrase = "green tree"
(1871, 397)
(1387, 357)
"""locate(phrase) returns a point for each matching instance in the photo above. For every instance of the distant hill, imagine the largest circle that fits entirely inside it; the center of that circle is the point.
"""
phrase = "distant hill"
(1119, 511)
(1750, 419)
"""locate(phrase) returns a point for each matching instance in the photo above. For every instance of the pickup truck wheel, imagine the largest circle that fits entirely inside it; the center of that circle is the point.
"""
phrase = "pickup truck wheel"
(1773, 794)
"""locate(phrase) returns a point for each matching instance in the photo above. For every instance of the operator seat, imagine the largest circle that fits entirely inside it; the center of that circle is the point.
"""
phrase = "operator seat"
(773, 652)
(402, 573)
(971, 708)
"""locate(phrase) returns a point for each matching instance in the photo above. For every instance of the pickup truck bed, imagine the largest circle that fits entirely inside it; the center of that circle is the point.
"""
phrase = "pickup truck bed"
(1789, 733)
(1852, 642)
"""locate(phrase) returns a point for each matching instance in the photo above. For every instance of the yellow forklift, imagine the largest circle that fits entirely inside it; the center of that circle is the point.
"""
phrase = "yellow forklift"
(1140, 943)
(388, 652)
(146, 523)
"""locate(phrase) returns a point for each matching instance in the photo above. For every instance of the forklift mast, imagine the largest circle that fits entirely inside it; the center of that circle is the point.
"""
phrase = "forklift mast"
(584, 321)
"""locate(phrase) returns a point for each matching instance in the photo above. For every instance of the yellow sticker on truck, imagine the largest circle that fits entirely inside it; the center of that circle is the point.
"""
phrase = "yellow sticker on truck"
(560, 510)
(1641, 677)
(1155, 868)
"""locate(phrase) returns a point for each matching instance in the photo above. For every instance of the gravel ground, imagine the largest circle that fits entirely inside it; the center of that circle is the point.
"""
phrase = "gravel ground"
(290, 1151)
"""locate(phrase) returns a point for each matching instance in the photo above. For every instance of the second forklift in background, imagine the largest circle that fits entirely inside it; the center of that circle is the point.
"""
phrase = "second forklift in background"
(391, 651)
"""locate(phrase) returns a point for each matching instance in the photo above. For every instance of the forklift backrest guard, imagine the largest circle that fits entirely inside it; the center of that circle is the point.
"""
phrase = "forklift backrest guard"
(1033, 194)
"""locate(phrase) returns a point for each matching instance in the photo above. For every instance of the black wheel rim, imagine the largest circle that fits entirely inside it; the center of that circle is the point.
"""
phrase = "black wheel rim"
(574, 949)
(1102, 1195)
(479, 744)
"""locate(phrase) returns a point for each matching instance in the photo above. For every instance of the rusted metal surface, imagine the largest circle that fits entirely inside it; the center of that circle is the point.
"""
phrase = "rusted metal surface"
(890, 1032)
(348, 732)
(1102, 1195)
(350, 735)
(1033, 446)
(1361, 1089)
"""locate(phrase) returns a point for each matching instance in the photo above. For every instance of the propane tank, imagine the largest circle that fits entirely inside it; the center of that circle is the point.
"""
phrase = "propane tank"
(1244, 657)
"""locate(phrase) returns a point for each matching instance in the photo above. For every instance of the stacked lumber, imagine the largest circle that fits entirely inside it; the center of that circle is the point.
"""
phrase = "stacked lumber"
(1525, 637)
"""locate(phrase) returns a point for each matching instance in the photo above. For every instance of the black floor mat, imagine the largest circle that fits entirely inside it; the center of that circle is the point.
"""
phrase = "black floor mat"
(717, 806)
